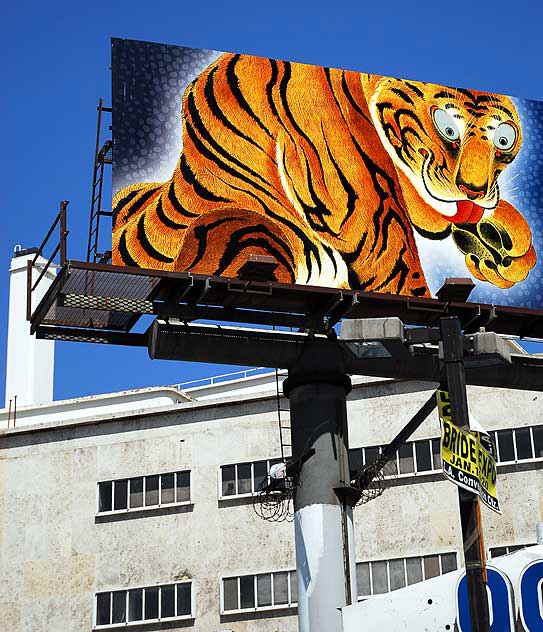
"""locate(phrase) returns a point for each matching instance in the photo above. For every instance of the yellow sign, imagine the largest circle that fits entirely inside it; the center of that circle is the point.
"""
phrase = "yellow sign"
(468, 456)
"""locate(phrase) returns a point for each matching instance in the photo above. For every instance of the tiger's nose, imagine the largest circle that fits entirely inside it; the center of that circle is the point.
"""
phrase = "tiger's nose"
(472, 194)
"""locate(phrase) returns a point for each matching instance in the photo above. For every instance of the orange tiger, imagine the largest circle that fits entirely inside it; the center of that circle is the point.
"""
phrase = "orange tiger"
(330, 172)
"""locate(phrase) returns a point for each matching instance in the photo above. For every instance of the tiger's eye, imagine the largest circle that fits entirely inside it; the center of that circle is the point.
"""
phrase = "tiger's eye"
(505, 136)
(445, 125)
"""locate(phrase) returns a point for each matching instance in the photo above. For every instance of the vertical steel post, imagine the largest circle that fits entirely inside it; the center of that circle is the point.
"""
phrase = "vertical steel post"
(470, 511)
(323, 520)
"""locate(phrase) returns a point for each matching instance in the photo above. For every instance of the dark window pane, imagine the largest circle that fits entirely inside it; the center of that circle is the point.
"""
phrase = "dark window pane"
(102, 608)
(228, 480)
(119, 607)
(424, 457)
(167, 493)
(183, 486)
(120, 495)
(280, 588)
(135, 602)
(516, 547)
(498, 551)
(151, 603)
(151, 491)
(448, 562)
(136, 492)
(247, 591)
(505, 445)
(263, 590)
(184, 605)
(379, 577)
(363, 579)
(261, 474)
(293, 587)
(431, 566)
(371, 454)
(167, 601)
(436, 454)
(524, 443)
(355, 461)
(414, 570)
(244, 478)
(391, 467)
(230, 596)
(397, 574)
(407, 463)
(538, 440)
(104, 496)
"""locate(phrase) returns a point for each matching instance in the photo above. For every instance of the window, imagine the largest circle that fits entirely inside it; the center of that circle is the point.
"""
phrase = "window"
(413, 457)
(417, 457)
(498, 551)
(382, 576)
(152, 603)
(144, 492)
(244, 479)
(263, 591)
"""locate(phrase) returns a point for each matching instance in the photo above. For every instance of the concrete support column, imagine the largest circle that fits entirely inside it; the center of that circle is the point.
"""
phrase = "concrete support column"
(323, 521)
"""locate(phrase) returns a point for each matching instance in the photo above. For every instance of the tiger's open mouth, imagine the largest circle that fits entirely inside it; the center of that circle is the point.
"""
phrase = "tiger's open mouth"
(467, 212)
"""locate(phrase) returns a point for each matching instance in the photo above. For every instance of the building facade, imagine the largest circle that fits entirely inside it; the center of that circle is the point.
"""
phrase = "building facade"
(136, 509)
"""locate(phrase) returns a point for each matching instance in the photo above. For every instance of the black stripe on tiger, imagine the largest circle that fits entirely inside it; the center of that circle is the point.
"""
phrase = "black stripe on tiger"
(200, 232)
(233, 83)
(147, 245)
(214, 107)
(122, 202)
(136, 206)
(352, 196)
(176, 205)
(400, 267)
(403, 95)
(236, 245)
(351, 100)
(199, 188)
(283, 94)
(202, 149)
(123, 251)
(166, 220)
(204, 133)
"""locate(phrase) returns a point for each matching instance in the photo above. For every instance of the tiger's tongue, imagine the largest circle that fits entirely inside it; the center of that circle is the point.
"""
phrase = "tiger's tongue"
(467, 212)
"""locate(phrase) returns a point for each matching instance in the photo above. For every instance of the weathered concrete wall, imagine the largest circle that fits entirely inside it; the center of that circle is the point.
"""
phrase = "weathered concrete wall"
(55, 555)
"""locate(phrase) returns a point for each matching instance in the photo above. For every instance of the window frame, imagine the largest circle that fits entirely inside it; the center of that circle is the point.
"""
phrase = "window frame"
(253, 491)
(283, 606)
(404, 560)
(143, 507)
(433, 470)
(143, 622)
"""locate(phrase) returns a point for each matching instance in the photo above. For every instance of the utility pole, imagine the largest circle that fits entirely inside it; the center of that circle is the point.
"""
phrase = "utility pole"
(317, 386)
(470, 511)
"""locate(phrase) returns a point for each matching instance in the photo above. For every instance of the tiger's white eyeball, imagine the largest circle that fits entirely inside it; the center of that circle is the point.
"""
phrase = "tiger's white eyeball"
(445, 125)
(505, 136)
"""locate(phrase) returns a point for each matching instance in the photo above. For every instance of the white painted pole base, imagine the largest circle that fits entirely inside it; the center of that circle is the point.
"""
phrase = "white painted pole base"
(321, 572)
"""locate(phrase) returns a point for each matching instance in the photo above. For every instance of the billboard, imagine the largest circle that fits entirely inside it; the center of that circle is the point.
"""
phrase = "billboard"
(340, 178)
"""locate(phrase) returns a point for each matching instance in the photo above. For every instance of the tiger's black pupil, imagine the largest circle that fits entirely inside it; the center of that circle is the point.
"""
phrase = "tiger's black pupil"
(503, 140)
(449, 131)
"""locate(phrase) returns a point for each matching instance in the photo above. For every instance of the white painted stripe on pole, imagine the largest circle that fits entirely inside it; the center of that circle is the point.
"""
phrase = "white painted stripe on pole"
(319, 555)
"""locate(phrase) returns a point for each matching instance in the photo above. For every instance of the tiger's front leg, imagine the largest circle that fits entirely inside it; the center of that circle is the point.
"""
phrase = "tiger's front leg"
(221, 242)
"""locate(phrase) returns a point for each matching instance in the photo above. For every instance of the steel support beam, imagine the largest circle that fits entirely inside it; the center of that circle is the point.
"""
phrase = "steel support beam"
(485, 364)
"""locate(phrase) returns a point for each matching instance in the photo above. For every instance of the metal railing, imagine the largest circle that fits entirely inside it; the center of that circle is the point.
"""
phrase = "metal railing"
(224, 377)
(60, 249)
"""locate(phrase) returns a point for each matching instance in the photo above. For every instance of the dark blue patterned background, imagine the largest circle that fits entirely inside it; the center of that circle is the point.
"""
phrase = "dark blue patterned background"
(148, 83)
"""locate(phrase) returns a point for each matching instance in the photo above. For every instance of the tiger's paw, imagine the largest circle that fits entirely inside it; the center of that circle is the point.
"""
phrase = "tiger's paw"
(498, 248)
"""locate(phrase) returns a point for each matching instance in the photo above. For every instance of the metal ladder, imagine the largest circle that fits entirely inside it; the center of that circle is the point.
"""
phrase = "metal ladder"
(284, 426)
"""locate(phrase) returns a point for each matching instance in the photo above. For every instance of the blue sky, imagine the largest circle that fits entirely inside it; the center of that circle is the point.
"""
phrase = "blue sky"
(55, 67)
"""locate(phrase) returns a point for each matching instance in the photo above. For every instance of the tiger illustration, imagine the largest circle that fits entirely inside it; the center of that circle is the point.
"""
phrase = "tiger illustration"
(330, 172)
